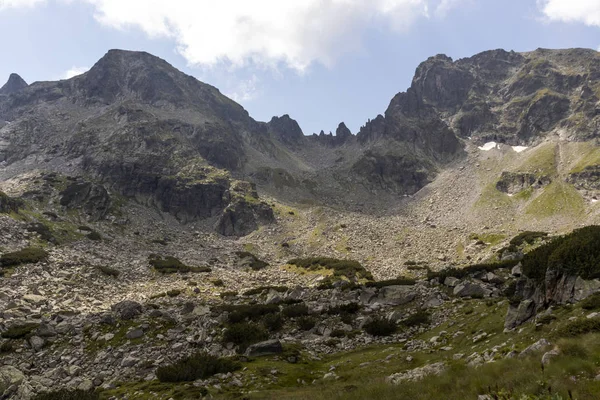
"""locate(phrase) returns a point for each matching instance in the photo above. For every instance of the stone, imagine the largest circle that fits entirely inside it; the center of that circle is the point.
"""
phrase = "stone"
(548, 356)
(37, 343)
(470, 289)
(10, 376)
(451, 281)
(265, 348)
(135, 333)
(416, 374)
(86, 385)
(515, 316)
(127, 309)
(537, 346)
(129, 361)
(46, 330)
(396, 295)
(34, 299)
(516, 270)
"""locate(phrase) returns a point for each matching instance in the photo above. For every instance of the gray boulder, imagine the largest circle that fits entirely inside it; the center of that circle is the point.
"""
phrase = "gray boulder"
(471, 289)
(516, 315)
(396, 295)
(10, 377)
(266, 348)
(127, 309)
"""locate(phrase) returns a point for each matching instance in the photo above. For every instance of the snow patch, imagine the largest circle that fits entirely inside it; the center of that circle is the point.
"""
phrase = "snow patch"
(594, 201)
(519, 149)
(489, 146)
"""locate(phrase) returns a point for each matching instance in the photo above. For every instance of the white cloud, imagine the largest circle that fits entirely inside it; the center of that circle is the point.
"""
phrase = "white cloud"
(74, 71)
(19, 3)
(584, 11)
(296, 33)
(245, 90)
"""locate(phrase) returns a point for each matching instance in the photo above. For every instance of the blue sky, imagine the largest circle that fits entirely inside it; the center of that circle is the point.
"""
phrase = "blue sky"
(321, 61)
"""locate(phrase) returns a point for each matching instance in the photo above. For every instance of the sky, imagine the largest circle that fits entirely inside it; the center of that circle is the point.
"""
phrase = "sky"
(320, 61)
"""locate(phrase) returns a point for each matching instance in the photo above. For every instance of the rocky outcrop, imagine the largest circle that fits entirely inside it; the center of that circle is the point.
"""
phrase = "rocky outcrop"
(588, 179)
(9, 204)
(93, 199)
(270, 347)
(514, 182)
(286, 129)
(14, 84)
(242, 217)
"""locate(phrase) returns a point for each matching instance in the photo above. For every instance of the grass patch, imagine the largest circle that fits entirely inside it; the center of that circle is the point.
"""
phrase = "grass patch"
(19, 331)
(540, 161)
(66, 394)
(488, 238)
(579, 327)
(557, 198)
(592, 302)
(416, 319)
(197, 366)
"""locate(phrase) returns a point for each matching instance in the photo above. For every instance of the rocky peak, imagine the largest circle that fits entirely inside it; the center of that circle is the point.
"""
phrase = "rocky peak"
(14, 84)
(342, 132)
(286, 129)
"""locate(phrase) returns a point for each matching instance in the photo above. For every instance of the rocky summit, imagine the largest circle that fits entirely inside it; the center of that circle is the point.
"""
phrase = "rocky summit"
(159, 243)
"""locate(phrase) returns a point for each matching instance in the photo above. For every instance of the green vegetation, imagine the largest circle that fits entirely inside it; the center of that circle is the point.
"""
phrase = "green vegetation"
(557, 198)
(488, 238)
(197, 366)
(528, 237)
(262, 289)
(577, 253)
(244, 334)
(248, 312)
(273, 322)
(349, 308)
(541, 161)
(171, 265)
(590, 159)
(174, 292)
(592, 302)
(19, 331)
(8, 204)
(295, 310)
(306, 323)
(579, 327)
(416, 319)
(470, 269)
(349, 269)
(392, 282)
(491, 197)
(109, 271)
(65, 394)
(28, 255)
(94, 236)
(254, 262)
(380, 327)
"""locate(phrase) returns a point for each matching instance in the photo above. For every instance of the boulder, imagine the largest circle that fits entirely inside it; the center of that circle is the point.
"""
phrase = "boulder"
(471, 289)
(9, 377)
(396, 295)
(516, 315)
(416, 374)
(266, 348)
(242, 217)
(537, 346)
(127, 309)
(92, 198)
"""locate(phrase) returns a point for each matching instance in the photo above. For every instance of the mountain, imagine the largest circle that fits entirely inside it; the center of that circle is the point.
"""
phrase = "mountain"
(14, 84)
(155, 235)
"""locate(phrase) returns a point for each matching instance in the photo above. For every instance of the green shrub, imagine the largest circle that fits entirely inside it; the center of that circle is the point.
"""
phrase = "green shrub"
(65, 394)
(174, 293)
(349, 269)
(592, 302)
(228, 294)
(295, 310)
(338, 333)
(418, 318)
(347, 318)
(349, 308)
(273, 322)
(28, 255)
(8, 204)
(470, 269)
(19, 331)
(93, 235)
(527, 237)
(261, 289)
(248, 312)
(244, 334)
(545, 319)
(254, 262)
(380, 327)
(109, 271)
(306, 323)
(392, 282)
(171, 265)
(577, 253)
(218, 283)
(197, 366)
(579, 327)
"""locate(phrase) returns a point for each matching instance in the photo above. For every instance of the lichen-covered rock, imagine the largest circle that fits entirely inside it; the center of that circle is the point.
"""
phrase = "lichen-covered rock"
(266, 348)
(243, 217)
